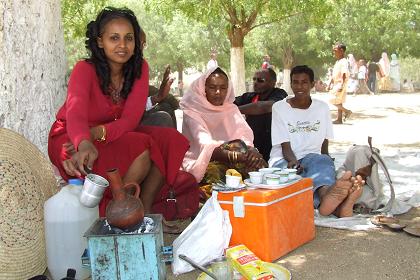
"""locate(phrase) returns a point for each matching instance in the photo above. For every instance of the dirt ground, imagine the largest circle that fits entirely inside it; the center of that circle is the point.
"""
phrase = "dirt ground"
(392, 120)
(349, 255)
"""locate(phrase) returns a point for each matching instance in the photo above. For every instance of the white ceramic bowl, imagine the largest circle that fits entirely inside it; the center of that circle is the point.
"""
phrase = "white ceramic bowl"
(284, 176)
(292, 173)
(272, 179)
(233, 181)
(256, 177)
(269, 170)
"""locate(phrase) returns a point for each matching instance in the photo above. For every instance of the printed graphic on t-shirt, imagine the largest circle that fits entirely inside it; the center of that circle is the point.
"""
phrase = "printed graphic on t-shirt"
(304, 126)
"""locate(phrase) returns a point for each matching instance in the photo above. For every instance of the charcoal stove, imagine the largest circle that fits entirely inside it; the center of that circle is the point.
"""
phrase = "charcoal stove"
(126, 256)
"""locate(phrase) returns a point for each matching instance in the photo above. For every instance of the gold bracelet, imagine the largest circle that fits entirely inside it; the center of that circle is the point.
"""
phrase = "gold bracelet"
(103, 138)
(228, 155)
(235, 157)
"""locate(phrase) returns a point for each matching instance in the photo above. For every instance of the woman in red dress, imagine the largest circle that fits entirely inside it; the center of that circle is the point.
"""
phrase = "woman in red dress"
(97, 128)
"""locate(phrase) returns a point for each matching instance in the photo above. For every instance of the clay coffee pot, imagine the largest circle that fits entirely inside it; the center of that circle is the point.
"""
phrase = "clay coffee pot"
(125, 210)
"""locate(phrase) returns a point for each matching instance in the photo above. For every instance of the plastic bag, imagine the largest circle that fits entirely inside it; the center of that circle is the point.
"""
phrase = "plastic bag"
(205, 239)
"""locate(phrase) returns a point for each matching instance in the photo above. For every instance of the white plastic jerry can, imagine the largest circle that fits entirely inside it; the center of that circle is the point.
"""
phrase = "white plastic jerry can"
(66, 220)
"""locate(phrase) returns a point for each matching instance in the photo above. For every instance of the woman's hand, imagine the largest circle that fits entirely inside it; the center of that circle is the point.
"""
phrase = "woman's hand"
(69, 148)
(252, 159)
(82, 159)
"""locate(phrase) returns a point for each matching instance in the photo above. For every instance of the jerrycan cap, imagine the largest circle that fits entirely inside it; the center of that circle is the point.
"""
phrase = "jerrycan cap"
(76, 182)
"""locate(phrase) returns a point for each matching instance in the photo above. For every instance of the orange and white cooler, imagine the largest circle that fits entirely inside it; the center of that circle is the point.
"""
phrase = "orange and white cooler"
(269, 222)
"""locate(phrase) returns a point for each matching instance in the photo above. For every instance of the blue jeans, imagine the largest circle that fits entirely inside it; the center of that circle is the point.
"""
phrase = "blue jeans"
(318, 167)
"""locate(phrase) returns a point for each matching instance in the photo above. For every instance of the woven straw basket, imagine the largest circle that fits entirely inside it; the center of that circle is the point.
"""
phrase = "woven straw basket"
(26, 181)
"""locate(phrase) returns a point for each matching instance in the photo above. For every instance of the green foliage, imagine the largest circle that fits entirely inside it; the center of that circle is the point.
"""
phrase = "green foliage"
(76, 15)
(409, 68)
(367, 28)
(182, 32)
(370, 27)
(179, 41)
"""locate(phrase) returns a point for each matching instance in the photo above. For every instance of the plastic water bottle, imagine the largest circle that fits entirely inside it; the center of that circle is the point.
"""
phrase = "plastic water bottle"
(66, 220)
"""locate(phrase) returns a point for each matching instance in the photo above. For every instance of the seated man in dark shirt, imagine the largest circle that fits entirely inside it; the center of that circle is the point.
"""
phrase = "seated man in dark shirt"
(256, 106)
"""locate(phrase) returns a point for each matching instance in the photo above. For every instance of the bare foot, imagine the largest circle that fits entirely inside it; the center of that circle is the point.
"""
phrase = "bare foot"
(345, 209)
(335, 195)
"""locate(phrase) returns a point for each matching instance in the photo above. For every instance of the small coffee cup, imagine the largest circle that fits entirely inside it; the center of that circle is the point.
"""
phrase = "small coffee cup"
(93, 189)
(233, 181)
(268, 170)
(272, 179)
(292, 173)
(284, 176)
(256, 177)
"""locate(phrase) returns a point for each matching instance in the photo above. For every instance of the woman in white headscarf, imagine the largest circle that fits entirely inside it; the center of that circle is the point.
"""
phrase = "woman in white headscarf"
(394, 73)
(210, 121)
(384, 67)
(384, 64)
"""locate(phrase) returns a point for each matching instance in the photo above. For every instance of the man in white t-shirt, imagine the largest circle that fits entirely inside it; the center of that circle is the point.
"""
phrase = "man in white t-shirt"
(300, 130)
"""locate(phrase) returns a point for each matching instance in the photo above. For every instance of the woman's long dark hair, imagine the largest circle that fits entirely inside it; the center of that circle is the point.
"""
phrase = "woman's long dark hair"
(132, 69)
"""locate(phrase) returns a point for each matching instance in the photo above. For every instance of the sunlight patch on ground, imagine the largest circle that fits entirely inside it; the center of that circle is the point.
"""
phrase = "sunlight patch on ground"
(294, 260)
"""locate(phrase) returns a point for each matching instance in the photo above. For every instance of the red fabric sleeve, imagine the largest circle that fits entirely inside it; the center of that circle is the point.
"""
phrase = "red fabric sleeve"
(133, 109)
(78, 91)
(83, 86)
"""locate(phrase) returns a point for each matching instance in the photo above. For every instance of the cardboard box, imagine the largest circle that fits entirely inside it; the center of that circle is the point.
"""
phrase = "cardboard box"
(247, 263)
(271, 223)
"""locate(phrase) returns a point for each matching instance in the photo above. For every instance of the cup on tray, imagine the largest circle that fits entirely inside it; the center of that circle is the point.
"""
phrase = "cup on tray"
(256, 177)
(292, 173)
(272, 179)
(284, 176)
(233, 181)
(268, 170)
(93, 189)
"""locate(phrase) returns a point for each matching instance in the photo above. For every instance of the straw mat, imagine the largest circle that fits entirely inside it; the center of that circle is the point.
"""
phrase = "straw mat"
(26, 182)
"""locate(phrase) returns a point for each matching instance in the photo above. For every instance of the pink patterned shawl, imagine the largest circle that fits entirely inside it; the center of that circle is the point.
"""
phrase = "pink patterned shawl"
(207, 126)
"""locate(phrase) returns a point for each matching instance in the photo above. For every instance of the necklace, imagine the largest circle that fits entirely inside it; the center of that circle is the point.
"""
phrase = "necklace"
(115, 92)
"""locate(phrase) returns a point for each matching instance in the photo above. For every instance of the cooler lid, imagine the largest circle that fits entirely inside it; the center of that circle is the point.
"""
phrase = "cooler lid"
(265, 197)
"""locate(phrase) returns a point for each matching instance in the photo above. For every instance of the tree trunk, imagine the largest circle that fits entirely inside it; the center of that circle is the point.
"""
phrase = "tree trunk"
(180, 69)
(287, 62)
(237, 60)
(240, 24)
(32, 67)
(237, 70)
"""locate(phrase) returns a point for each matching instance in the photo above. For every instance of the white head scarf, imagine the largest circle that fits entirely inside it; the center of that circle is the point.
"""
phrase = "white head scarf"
(384, 63)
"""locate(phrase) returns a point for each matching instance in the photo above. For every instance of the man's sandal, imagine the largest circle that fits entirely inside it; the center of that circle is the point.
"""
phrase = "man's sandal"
(390, 222)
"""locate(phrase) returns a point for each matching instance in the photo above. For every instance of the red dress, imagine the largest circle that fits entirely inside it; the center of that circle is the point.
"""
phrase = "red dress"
(86, 106)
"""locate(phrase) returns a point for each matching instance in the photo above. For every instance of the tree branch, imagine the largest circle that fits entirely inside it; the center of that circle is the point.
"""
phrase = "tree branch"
(231, 11)
(277, 20)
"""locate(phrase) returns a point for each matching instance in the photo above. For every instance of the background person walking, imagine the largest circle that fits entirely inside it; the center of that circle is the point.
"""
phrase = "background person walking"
(338, 82)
